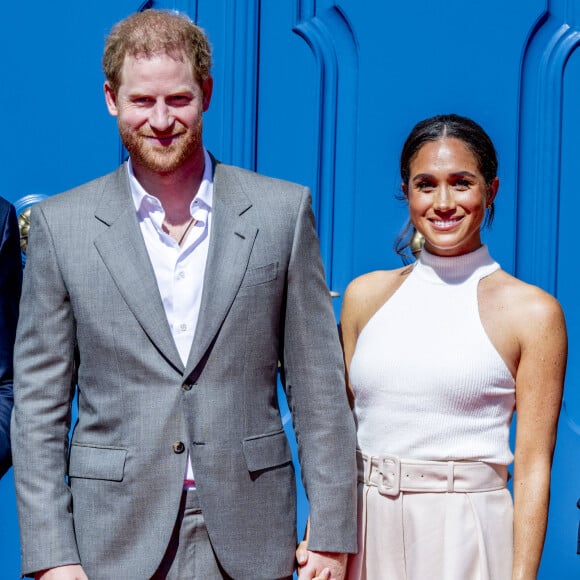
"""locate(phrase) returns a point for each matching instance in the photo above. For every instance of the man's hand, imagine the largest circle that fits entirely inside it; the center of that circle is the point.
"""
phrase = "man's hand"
(302, 551)
(71, 572)
(320, 565)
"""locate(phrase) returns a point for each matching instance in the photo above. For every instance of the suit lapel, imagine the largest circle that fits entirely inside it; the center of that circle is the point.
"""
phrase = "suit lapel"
(231, 242)
(124, 253)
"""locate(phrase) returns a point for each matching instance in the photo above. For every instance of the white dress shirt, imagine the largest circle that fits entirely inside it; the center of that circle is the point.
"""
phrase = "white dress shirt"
(179, 270)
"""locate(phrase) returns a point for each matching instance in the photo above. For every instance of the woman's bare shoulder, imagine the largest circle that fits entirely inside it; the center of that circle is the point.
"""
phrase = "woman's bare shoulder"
(522, 302)
(377, 284)
(367, 293)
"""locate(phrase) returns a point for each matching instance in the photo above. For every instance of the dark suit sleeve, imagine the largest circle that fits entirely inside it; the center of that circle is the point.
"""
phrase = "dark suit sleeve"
(314, 380)
(10, 283)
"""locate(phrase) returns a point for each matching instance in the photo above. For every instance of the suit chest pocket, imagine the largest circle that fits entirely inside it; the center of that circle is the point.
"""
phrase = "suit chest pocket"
(260, 275)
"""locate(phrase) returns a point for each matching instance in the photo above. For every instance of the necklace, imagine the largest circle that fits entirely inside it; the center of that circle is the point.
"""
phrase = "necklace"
(190, 223)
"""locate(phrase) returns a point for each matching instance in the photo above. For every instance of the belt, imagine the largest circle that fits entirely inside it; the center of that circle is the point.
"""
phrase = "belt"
(392, 475)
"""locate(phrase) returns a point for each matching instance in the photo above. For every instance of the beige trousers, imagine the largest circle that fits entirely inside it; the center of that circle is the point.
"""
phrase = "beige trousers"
(433, 536)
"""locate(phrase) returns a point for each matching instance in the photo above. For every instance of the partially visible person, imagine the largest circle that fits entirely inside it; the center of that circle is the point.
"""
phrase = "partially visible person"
(167, 292)
(10, 283)
(438, 356)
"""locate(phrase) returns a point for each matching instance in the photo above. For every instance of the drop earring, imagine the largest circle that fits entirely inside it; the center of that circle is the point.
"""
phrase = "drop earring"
(417, 242)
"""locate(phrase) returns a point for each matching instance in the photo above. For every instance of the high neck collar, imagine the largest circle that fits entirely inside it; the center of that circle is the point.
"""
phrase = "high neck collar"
(455, 269)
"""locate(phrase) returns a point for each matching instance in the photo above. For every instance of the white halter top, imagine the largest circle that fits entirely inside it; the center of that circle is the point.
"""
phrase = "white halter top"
(428, 382)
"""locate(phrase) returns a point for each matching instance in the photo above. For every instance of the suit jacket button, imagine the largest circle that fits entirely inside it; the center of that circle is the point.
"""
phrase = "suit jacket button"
(187, 386)
(178, 447)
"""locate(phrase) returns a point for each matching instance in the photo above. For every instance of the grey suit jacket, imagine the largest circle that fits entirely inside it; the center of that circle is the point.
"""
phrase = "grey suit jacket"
(91, 315)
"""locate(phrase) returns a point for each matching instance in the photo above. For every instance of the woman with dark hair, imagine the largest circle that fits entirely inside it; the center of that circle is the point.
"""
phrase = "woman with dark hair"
(439, 354)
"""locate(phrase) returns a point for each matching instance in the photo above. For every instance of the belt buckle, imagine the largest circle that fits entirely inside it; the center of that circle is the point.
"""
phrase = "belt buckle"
(389, 468)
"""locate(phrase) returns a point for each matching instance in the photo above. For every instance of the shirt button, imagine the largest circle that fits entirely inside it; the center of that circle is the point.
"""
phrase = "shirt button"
(178, 447)
(187, 386)
(181, 275)
(183, 327)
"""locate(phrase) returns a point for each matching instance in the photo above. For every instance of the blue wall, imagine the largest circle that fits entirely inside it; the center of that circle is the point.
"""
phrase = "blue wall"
(323, 92)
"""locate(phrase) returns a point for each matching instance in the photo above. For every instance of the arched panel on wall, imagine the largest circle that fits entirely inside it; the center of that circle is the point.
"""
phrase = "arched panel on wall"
(230, 128)
(307, 103)
(539, 169)
(330, 36)
(418, 59)
(546, 238)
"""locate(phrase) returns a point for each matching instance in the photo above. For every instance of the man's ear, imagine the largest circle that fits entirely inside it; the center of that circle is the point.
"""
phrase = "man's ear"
(110, 99)
(404, 190)
(207, 90)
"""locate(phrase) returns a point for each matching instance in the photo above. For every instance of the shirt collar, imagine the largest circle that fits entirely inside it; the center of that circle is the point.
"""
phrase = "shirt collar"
(147, 204)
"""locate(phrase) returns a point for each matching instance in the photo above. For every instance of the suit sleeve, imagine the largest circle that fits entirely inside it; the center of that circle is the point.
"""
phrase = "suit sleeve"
(44, 379)
(314, 380)
(10, 284)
